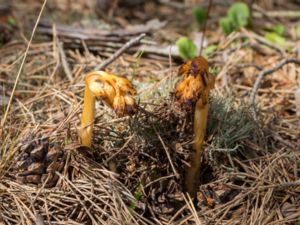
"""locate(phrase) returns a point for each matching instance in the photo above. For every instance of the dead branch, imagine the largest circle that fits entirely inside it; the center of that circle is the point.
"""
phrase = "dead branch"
(92, 34)
(108, 41)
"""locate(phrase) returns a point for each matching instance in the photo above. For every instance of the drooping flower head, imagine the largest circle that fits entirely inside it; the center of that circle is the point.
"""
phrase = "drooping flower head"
(196, 81)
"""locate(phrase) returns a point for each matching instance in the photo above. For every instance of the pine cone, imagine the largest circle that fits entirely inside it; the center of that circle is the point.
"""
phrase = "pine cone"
(38, 162)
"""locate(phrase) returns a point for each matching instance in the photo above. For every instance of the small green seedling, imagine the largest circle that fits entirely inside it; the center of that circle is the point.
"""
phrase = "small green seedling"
(238, 16)
(136, 65)
(226, 25)
(137, 197)
(278, 29)
(209, 50)
(298, 31)
(187, 48)
(275, 38)
(12, 21)
(275, 35)
(200, 14)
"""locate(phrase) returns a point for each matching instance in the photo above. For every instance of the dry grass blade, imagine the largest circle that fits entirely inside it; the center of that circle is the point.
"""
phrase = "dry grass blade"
(21, 67)
(192, 209)
(168, 155)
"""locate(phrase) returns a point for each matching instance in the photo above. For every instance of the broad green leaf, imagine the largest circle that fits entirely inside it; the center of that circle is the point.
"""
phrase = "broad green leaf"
(199, 14)
(239, 14)
(209, 50)
(187, 48)
(226, 25)
(275, 38)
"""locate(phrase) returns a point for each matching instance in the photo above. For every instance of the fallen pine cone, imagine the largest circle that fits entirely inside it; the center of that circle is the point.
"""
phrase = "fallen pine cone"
(39, 161)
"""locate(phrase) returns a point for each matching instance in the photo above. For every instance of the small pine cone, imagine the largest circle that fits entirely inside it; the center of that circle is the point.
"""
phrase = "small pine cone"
(39, 161)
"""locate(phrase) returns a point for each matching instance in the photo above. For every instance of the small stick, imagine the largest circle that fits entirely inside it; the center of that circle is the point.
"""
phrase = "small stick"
(264, 73)
(22, 65)
(289, 14)
(64, 62)
(204, 26)
(117, 54)
(168, 155)
(282, 185)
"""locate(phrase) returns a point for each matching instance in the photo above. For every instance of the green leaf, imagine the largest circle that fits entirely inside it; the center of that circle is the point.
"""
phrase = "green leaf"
(239, 14)
(226, 25)
(279, 29)
(187, 48)
(137, 197)
(200, 15)
(209, 50)
(298, 31)
(275, 38)
(12, 21)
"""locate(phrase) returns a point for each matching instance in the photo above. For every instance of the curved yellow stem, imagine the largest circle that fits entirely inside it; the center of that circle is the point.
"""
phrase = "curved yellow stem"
(88, 116)
(113, 90)
(92, 89)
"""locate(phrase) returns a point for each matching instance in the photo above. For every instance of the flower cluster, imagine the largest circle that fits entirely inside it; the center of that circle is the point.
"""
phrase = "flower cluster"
(114, 90)
(195, 83)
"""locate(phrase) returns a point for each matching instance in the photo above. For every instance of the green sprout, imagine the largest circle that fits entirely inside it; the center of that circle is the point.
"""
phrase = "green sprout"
(275, 35)
(275, 38)
(200, 14)
(209, 50)
(238, 16)
(137, 197)
(278, 29)
(187, 48)
(298, 31)
(12, 21)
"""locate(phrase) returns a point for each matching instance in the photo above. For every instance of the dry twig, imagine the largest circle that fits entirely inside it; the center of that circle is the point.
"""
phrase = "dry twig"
(64, 62)
(168, 154)
(126, 46)
(261, 76)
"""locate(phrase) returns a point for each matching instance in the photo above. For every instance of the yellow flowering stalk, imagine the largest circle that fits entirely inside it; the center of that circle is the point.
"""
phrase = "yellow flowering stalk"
(193, 92)
(114, 90)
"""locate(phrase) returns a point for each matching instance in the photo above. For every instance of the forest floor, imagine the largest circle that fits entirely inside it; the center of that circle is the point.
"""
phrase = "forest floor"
(135, 172)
